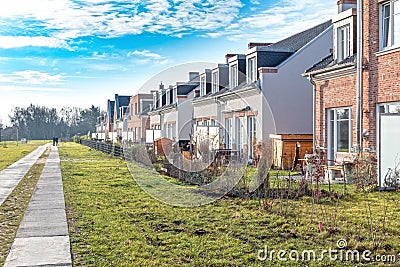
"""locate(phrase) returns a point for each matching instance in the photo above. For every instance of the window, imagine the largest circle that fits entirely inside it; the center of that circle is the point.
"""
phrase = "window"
(136, 109)
(174, 92)
(170, 131)
(390, 108)
(252, 134)
(215, 83)
(339, 131)
(171, 96)
(233, 72)
(343, 46)
(203, 85)
(173, 132)
(239, 134)
(390, 24)
(228, 133)
(252, 70)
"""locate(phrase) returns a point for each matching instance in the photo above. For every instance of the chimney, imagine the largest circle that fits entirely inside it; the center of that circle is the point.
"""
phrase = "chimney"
(228, 56)
(193, 75)
(251, 45)
(344, 5)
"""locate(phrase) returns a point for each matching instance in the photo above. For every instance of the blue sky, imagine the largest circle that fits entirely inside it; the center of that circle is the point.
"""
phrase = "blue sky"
(82, 52)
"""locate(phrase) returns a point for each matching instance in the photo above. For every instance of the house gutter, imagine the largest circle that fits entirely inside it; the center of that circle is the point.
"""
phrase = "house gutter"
(310, 78)
(359, 75)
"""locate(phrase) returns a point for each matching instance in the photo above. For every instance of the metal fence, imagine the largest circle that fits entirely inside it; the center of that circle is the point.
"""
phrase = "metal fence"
(107, 148)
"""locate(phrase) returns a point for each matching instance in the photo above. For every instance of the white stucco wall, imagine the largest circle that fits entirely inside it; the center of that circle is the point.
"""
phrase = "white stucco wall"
(184, 120)
(154, 119)
(289, 94)
(205, 109)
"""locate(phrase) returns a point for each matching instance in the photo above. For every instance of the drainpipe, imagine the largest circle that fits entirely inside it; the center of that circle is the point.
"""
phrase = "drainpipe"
(359, 75)
(314, 113)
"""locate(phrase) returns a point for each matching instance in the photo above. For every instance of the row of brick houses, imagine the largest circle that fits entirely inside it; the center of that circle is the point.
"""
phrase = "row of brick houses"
(314, 88)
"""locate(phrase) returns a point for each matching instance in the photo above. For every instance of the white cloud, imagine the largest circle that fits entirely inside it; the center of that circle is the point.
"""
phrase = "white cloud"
(278, 21)
(68, 19)
(7, 88)
(147, 57)
(31, 77)
(22, 41)
(145, 53)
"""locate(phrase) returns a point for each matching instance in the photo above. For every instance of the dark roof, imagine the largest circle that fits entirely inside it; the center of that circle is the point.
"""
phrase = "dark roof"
(165, 107)
(329, 63)
(272, 59)
(121, 101)
(275, 54)
(124, 100)
(110, 109)
(144, 111)
(227, 90)
(299, 40)
(184, 89)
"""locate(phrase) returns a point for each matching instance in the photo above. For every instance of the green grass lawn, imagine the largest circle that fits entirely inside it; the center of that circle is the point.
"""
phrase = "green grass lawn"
(112, 222)
(10, 152)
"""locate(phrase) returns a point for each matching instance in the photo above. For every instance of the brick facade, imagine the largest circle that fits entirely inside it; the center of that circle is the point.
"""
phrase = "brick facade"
(138, 124)
(380, 82)
(334, 93)
(381, 71)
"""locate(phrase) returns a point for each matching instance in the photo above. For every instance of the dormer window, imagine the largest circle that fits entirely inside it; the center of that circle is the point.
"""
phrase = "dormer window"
(390, 24)
(171, 96)
(252, 70)
(343, 46)
(215, 83)
(203, 85)
(168, 97)
(233, 76)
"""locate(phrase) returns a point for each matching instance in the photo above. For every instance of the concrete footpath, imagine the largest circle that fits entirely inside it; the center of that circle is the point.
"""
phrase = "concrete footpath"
(42, 238)
(13, 174)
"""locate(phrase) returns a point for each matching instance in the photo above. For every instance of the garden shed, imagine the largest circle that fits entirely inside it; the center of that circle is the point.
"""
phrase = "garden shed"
(284, 148)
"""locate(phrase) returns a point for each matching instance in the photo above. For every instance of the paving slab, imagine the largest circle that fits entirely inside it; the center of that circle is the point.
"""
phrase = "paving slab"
(13, 174)
(42, 238)
(30, 252)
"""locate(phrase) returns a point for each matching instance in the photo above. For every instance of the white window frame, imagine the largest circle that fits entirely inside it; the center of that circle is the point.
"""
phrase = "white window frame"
(174, 98)
(203, 85)
(343, 42)
(384, 108)
(252, 70)
(393, 40)
(251, 134)
(239, 129)
(233, 76)
(333, 144)
(228, 133)
(215, 82)
(168, 97)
